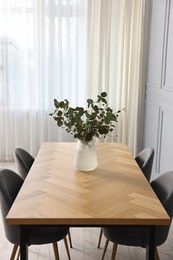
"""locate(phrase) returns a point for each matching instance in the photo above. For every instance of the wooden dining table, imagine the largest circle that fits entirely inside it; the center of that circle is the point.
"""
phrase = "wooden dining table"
(115, 193)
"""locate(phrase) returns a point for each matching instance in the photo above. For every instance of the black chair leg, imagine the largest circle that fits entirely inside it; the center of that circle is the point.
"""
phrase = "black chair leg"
(69, 237)
(100, 237)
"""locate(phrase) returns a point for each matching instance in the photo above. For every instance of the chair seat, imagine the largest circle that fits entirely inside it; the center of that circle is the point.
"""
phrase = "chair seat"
(134, 236)
(38, 235)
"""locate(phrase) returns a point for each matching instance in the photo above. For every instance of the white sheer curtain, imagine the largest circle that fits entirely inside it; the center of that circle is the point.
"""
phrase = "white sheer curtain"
(116, 61)
(42, 55)
(70, 49)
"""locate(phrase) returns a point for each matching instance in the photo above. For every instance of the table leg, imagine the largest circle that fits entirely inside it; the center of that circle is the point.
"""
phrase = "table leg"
(150, 250)
(23, 244)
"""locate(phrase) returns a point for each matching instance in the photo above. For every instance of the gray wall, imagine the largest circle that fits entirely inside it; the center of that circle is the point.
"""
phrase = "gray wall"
(158, 123)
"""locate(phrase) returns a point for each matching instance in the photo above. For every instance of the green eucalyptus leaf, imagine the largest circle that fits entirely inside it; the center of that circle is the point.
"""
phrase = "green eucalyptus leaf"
(96, 109)
(81, 111)
(59, 113)
(103, 130)
(75, 135)
(104, 101)
(103, 94)
(98, 99)
(90, 102)
(56, 103)
(98, 119)
(60, 123)
(61, 104)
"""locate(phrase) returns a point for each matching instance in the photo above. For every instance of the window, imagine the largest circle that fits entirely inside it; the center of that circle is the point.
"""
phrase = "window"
(37, 39)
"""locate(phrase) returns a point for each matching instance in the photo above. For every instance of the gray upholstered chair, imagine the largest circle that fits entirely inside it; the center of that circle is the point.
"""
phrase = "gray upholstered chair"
(145, 161)
(23, 161)
(135, 236)
(10, 184)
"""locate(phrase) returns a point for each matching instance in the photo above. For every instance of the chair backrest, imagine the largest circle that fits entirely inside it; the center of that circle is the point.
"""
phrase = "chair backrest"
(163, 187)
(23, 161)
(145, 161)
(10, 184)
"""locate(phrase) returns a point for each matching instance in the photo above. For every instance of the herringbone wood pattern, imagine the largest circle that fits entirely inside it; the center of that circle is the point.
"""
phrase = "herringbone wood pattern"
(115, 193)
(85, 244)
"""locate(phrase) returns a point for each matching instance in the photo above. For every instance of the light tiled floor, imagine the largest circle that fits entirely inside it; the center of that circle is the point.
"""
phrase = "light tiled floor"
(84, 245)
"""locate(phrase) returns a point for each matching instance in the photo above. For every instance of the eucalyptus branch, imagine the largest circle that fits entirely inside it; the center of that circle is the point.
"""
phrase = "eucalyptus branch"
(97, 120)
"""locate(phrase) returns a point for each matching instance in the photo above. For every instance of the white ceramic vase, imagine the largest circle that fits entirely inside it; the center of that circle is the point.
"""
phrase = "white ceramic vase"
(85, 156)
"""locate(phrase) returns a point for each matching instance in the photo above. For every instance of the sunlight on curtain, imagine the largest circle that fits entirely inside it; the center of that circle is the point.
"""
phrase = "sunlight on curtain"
(70, 49)
(115, 61)
(42, 57)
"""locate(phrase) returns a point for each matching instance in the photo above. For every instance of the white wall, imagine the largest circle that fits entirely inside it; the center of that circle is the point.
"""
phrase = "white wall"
(158, 125)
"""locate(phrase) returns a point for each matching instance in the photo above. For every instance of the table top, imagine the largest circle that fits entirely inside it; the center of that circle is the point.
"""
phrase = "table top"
(116, 192)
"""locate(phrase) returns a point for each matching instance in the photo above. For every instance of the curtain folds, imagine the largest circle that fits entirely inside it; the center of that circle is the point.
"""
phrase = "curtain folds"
(70, 49)
(116, 52)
